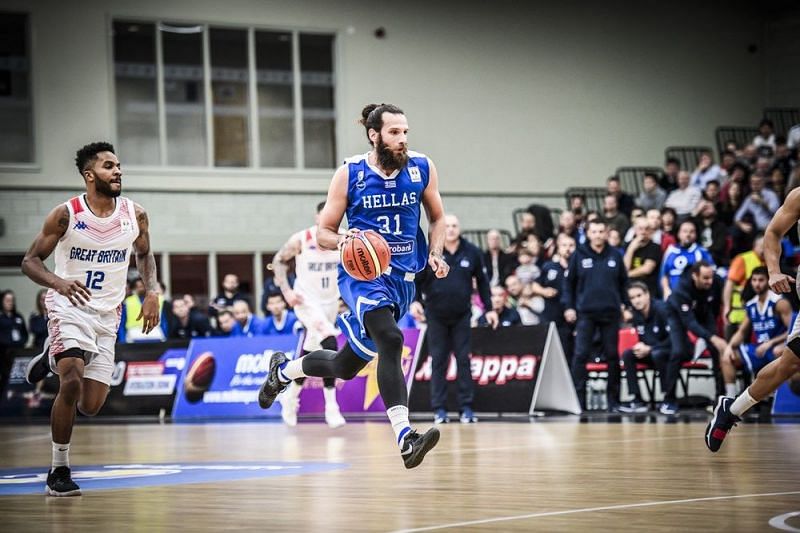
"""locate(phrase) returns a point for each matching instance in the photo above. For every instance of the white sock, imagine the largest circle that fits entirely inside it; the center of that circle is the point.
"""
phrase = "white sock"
(398, 416)
(743, 403)
(730, 390)
(60, 455)
(330, 397)
(291, 370)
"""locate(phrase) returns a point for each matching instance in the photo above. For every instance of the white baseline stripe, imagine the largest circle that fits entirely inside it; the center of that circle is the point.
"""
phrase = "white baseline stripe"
(26, 439)
(595, 509)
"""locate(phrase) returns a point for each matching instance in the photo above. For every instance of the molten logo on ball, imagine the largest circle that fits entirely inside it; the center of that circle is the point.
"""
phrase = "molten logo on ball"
(199, 377)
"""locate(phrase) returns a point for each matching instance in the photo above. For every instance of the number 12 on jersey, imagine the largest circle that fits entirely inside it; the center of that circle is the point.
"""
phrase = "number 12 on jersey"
(94, 278)
(385, 223)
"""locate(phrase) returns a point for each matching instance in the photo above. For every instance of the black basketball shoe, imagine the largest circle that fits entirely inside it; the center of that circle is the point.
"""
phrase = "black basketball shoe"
(38, 367)
(415, 446)
(59, 483)
(721, 423)
(272, 385)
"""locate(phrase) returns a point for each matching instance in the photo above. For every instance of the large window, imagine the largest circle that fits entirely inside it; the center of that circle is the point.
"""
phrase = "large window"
(199, 95)
(16, 111)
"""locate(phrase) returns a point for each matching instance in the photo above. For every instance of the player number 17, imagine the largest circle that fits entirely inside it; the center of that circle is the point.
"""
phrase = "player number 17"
(385, 223)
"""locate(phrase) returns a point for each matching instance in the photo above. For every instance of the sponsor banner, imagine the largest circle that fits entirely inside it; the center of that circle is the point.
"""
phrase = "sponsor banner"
(143, 383)
(222, 376)
(31, 480)
(360, 394)
(504, 364)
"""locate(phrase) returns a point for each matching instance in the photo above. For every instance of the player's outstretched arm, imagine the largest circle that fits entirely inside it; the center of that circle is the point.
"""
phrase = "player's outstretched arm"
(146, 265)
(786, 216)
(55, 225)
(434, 209)
(328, 236)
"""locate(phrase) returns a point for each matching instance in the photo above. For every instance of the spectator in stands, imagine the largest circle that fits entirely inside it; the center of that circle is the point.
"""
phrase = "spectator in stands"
(514, 287)
(661, 238)
(685, 198)
(767, 321)
(448, 310)
(543, 227)
(669, 180)
(742, 267)
(761, 204)
(577, 205)
(693, 307)
(706, 171)
(131, 321)
(506, 316)
(247, 324)
(669, 221)
(194, 310)
(712, 194)
(740, 173)
(499, 264)
(652, 196)
(782, 167)
(527, 227)
(593, 292)
(280, 321)
(615, 240)
(766, 134)
(643, 257)
(625, 202)
(225, 324)
(678, 257)
(549, 285)
(182, 326)
(13, 334)
(728, 160)
(793, 137)
(712, 233)
(731, 204)
(529, 306)
(651, 320)
(528, 269)
(230, 293)
(37, 323)
(567, 224)
(615, 218)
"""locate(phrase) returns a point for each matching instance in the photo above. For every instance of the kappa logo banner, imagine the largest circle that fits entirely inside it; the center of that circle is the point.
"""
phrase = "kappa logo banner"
(15, 481)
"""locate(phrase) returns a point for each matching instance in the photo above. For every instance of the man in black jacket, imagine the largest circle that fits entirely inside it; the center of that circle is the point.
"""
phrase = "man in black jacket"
(651, 320)
(594, 289)
(693, 306)
(448, 309)
(499, 264)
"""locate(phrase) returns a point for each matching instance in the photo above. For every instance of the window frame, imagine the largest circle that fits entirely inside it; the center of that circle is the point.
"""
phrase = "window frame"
(253, 168)
(35, 164)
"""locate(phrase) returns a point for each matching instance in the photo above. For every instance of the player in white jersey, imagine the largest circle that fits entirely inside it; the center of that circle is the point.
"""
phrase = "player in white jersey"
(92, 236)
(315, 298)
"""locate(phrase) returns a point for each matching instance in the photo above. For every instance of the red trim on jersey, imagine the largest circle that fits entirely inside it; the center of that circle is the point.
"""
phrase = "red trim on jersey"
(309, 237)
(76, 205)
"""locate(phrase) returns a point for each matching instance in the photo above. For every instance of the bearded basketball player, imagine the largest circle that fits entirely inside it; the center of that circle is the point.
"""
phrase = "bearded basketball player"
(92, 236)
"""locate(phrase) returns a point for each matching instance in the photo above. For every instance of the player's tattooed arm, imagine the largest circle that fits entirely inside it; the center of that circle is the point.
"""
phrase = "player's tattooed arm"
(280, 267)
(55, 226)
(146, 265)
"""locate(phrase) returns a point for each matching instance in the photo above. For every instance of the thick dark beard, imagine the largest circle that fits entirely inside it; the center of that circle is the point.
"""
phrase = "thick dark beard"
(105, 189)
(388, 159)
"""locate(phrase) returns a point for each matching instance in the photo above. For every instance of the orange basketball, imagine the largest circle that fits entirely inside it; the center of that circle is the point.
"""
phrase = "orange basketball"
(366, 256)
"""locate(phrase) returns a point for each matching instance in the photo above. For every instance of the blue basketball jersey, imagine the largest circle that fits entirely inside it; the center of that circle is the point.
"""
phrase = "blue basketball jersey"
(677, 260)
(390, 205)
(765, 321)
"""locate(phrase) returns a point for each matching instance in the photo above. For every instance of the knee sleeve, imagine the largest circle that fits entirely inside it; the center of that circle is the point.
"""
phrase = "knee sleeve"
(794, 345)
(382, 328)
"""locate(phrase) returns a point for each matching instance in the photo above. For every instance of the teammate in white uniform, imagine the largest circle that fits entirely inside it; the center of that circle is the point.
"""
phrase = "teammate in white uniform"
(315, 298)
(92, 236)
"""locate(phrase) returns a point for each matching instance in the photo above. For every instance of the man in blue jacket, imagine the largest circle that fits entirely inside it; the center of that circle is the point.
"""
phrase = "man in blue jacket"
(594, 290)
(694, 306)
(651, 320)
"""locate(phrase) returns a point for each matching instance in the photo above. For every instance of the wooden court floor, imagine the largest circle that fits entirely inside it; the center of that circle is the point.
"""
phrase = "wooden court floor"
(492, 476)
